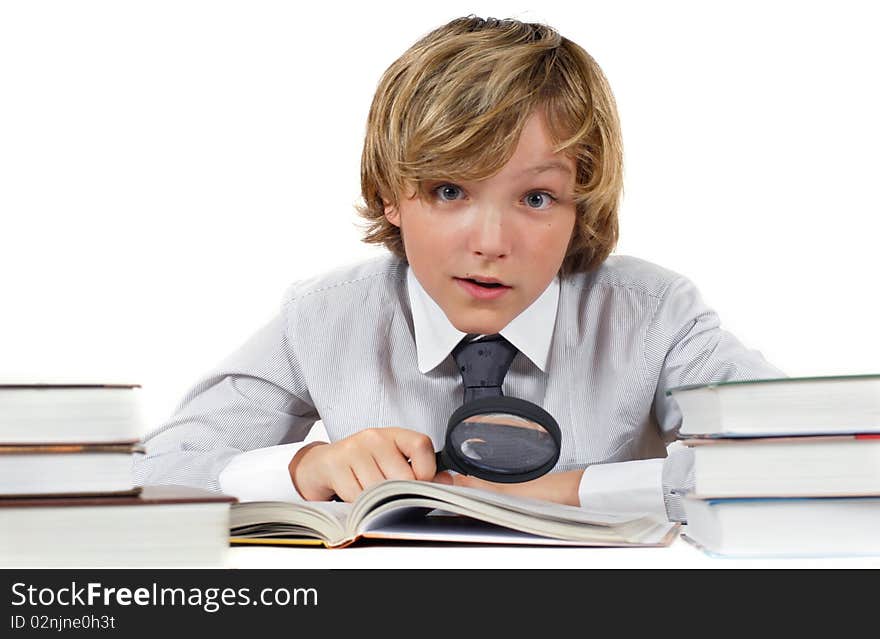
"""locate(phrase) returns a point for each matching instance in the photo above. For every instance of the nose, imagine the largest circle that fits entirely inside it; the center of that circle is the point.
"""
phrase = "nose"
(489, 235)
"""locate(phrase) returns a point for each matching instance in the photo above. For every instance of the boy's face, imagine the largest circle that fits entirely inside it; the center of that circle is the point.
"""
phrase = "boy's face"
(512, 228)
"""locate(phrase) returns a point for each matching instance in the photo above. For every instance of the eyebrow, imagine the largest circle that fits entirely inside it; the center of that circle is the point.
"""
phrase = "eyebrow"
(548, 166)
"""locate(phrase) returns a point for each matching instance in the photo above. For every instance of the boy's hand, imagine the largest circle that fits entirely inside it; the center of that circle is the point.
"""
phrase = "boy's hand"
(345, 468)
(561, 487)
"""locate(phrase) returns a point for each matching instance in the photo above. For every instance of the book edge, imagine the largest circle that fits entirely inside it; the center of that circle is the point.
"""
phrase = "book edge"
(770, 380)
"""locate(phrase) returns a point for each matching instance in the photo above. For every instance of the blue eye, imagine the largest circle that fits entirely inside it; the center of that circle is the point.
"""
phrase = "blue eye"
(447, 192)
(537, 198)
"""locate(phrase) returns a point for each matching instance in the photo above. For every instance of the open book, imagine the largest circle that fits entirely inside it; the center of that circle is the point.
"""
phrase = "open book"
(425, 511)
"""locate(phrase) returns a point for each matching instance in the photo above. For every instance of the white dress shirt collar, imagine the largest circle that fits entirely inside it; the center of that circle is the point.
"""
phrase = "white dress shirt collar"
(531, 331)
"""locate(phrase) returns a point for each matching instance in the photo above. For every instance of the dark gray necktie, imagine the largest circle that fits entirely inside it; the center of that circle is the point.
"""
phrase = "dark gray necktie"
(483, 364)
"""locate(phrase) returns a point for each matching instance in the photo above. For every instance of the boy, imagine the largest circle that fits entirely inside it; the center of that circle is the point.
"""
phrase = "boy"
(492, 171)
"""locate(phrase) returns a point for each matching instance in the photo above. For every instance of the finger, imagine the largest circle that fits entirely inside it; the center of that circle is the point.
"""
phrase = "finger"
(419, 449)
(366, 470)
(346, 485)
(392, 462)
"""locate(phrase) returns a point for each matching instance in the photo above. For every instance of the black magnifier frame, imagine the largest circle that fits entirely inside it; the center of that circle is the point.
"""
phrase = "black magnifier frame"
(449, 458)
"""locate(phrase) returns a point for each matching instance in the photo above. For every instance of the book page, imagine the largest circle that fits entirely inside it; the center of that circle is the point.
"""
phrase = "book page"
(478, 499)
(263, 519)
(639, 531)
(464, 530)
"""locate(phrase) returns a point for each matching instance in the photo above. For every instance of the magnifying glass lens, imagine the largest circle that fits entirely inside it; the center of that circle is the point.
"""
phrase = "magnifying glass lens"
(503, 443)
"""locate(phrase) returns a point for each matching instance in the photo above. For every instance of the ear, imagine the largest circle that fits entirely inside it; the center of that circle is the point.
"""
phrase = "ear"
(392, 213)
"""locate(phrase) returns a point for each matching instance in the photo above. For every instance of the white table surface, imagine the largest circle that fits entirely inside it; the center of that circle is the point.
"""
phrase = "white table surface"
(680, 554)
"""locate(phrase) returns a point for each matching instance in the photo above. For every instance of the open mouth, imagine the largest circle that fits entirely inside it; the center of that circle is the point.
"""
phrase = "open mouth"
(483, 284)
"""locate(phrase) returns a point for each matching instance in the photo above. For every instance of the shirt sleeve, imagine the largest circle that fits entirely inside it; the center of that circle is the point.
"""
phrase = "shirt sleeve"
(255, 399)
(688, 346)
(261, 474)
(687, 338)
(624, 487)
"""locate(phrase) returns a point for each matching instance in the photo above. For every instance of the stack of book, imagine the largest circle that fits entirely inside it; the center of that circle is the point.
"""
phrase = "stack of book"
(784, 467)
(68, 495)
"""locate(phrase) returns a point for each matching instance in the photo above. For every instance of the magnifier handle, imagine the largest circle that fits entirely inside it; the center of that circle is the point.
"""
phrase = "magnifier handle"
(441, 463)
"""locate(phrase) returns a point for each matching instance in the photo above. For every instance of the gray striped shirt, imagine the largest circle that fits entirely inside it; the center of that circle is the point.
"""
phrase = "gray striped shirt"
(342, 349)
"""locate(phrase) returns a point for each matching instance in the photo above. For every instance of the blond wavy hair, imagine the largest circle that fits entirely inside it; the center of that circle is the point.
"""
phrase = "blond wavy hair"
(453, 107)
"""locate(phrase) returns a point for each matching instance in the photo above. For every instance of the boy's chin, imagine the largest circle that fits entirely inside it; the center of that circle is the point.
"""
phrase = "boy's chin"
(486, 325)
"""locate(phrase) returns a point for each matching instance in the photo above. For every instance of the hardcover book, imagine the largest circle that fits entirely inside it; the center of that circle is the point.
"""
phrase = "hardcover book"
(779, 407)
(820, 466)
(784, 527)
(67, 469)
(162, 526)
(69, 413)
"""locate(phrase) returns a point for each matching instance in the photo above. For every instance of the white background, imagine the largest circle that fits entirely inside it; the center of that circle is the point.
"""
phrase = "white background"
(168, 168)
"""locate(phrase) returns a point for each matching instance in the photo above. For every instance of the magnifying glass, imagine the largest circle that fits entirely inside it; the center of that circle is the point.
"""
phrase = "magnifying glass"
(501, 439)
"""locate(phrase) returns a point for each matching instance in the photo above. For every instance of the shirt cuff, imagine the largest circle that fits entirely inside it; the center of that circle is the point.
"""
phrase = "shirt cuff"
(262, 474)
(624, 487)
